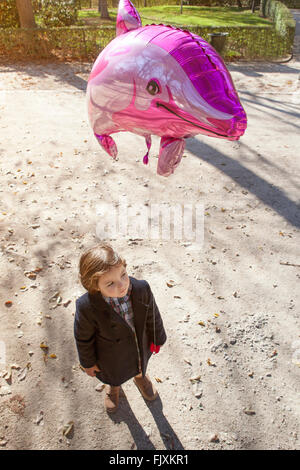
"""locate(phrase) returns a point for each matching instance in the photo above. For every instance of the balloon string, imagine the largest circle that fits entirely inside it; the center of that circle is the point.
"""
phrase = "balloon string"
(148, 143)
(154, 339)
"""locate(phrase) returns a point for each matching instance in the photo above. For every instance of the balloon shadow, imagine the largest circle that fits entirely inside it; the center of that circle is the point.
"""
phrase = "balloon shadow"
(266, 192)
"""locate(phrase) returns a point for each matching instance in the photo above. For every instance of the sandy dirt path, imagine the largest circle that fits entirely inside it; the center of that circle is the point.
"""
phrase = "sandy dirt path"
(231, 382)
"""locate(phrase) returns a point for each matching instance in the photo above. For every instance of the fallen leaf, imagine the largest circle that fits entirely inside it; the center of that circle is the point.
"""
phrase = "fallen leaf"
(30, 275)
(195, 379)
(214, 438)
(158, 380)
(249, 412)
(187, 361)
(68, 428)
(210, 363)
(274, 353)
(7, 374)
(8, 303)
(171, 283)
(5, 390)
(39, 417)
(22, 374)
(201, 323)
(43, 346)
(216, 315)
(53, 356)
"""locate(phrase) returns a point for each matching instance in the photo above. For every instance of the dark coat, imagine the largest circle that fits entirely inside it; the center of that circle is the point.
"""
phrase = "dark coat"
(104, 338)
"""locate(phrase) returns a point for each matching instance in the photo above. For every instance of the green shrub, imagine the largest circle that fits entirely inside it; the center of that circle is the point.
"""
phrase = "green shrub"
(280, 15)
(59, 12)
(291, 3)
(9, 17)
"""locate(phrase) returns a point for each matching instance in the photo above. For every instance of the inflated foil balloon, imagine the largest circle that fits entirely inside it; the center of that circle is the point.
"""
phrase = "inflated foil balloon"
(164, 81)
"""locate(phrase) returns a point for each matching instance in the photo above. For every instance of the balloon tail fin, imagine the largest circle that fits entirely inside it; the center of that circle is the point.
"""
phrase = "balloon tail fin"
(108, 144)
(170, 154)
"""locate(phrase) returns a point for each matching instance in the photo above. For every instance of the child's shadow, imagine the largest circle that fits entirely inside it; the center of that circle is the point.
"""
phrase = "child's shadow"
(141, 440)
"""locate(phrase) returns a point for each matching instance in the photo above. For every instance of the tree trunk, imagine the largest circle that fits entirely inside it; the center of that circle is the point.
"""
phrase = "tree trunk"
(239, 2)
(262, 9)
(102, 8)
(181, 1)
(253, 6)
(25, 12)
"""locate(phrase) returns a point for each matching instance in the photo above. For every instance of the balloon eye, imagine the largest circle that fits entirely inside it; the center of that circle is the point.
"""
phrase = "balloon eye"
(153, 87)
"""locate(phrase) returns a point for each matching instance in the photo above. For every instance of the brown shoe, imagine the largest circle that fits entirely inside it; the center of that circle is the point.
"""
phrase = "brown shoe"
(146, 387)
(111, 399)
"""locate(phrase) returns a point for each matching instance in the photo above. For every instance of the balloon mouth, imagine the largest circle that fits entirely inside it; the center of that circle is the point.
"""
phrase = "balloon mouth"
(218, 134)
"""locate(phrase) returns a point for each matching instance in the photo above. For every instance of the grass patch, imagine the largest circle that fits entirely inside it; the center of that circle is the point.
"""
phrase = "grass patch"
(203, 16)
(92, 17)
(194, 16)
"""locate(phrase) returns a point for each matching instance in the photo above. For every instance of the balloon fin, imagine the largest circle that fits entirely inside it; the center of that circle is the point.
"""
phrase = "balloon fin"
(148, 143)
(170, 154)
(128, 17)
(108, 144)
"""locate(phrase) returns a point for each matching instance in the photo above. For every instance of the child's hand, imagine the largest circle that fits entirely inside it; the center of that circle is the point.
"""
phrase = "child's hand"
(91, 371)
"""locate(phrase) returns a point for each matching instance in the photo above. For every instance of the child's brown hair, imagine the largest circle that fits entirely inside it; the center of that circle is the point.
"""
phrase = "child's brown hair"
(95, 262)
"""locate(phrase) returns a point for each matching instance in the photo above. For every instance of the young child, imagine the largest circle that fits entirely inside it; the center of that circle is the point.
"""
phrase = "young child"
(117, 324)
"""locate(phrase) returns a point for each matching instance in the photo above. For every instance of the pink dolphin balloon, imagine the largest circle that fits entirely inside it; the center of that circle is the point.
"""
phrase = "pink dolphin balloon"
(164, 81)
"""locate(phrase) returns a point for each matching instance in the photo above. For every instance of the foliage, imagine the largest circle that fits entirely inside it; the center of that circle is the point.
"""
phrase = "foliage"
(58, 12)
(9, 17)
(150, 3)
(64, 43)
(291, 3)
(84, 43)
(281, 16)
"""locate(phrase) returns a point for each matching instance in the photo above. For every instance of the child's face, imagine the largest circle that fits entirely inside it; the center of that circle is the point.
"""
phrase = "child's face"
(114, 283)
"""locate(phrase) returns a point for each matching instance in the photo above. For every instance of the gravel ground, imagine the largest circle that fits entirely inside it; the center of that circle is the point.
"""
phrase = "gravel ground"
(228, 376)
